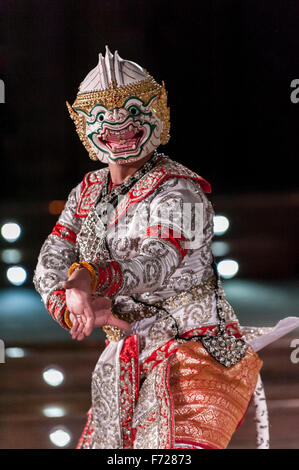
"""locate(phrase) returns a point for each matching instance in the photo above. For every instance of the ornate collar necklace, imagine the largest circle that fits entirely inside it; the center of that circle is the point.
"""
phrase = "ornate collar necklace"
(107, 198)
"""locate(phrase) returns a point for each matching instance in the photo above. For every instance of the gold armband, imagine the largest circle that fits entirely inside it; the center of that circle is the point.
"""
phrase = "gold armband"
(92, 272)
(67, 320)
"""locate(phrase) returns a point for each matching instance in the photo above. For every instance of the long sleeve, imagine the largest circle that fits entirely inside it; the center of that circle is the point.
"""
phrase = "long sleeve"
(168, 233)
(56, 256)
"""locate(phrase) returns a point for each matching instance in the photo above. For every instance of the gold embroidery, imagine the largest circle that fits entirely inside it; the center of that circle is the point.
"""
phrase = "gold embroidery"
(210, 400)
(113, 332)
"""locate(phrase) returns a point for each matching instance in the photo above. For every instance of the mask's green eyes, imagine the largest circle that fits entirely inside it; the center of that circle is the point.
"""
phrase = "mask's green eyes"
(134, 110)
(101, 117)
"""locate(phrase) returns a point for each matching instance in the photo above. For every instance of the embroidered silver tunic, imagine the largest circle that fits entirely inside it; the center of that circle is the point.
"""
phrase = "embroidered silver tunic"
(153, 269)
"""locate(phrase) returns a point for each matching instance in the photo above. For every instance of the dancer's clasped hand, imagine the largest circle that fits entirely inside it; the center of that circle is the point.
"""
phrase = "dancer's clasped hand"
(87, 311)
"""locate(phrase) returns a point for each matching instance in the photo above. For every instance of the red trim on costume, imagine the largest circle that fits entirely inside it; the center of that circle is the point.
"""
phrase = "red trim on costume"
(91, 185)
(133, 434)
(172, 420)
(93, 181)
(55, 309)
(166, 349)
(109, 274)
(64, 232)
(232, 328)
(117, 278)
(85, 438)
(129, 385)
(102, 276)
(158, 356)
(109, 277)
(178, 240)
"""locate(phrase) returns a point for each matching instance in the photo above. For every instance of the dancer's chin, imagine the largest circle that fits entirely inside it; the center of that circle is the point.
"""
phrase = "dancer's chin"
(126, 159)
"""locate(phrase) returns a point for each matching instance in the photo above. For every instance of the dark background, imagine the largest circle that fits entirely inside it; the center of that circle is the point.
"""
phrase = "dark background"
(227, 66)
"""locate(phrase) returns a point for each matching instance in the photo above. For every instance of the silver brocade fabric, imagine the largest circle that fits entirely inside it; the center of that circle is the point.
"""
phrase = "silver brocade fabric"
(153, 271)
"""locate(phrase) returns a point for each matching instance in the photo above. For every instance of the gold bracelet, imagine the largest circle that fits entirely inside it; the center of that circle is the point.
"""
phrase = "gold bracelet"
(67, 320)
(92, 272)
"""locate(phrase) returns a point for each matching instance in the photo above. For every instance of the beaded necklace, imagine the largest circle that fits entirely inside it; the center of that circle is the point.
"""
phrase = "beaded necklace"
(109, 199)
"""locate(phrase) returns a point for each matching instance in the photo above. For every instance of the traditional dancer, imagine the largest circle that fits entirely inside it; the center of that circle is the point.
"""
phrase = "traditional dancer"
(131, 253)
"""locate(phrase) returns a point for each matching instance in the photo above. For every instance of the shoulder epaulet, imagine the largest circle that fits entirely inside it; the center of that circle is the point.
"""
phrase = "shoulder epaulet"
(91, 185)
(176, 169)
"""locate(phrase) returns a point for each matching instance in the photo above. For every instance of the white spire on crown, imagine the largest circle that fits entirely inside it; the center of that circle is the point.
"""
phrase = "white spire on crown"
(112, 69)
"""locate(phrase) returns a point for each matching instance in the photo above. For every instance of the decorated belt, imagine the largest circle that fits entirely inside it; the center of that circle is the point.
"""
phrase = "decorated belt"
(196, 293)
(222, 346)
(141, 311)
